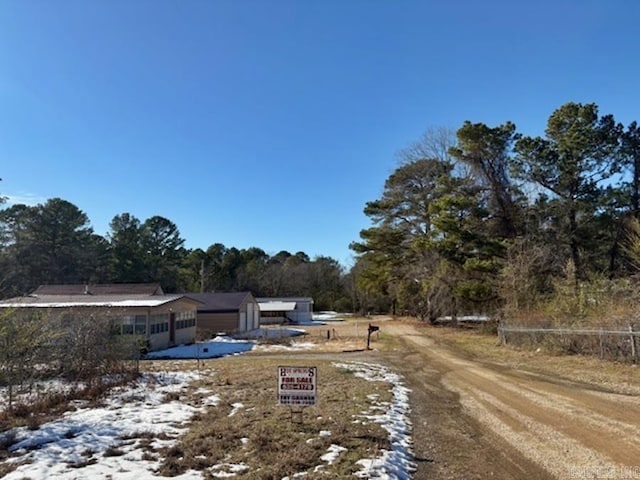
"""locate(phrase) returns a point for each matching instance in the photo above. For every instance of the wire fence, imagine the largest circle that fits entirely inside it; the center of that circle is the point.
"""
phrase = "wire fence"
(617, 343)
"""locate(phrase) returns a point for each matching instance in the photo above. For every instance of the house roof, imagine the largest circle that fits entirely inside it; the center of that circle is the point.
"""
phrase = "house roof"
(84, 301)
(277, 306)
(100, 289)
(220, 302)
(285, 299)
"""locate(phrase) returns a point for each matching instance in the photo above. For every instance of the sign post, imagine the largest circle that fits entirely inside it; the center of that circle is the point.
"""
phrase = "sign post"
(297, 387)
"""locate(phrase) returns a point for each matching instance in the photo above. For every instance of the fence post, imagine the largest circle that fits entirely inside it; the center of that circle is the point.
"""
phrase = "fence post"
(501, 336)
(601, 335)
(634, 349)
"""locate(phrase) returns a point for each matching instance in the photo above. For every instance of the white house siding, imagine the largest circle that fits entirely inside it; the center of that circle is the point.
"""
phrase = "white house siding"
(303, 311)
(185, 335)
(135, 314)
(253, 316)
(158, 341)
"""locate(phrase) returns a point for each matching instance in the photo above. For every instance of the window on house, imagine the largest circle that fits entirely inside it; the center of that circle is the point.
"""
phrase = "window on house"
(188, 323)
(127, 329)
(186, 319)
(140, 324)
(159, 323)
(186, 315)
(134, 324)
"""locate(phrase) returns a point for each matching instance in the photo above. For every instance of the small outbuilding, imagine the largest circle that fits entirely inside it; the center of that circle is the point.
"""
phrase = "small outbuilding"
(285, 309)
(234, 312)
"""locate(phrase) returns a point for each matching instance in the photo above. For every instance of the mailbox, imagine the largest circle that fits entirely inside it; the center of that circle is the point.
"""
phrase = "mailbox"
(372, 328)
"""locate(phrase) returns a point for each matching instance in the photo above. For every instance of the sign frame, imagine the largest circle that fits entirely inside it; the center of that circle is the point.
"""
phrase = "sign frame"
(297, 386)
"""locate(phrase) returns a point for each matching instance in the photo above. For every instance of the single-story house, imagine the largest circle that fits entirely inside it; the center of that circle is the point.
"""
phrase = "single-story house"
(142, 309)
(234, 312)
(285, 309)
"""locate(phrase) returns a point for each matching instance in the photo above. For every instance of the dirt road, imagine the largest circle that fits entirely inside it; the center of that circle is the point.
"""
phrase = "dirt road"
(475, 420)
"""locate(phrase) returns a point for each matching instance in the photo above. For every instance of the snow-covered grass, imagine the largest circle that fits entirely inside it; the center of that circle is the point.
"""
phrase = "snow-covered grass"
(135, 430)
(222, 346)
(291, 347)
(311, 323)
(328, 316)
(32, 394)
(215, 348)
(110, 440)
(270, 333)
(396, 463)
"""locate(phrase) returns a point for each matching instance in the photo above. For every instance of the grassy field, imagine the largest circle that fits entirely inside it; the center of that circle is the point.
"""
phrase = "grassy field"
(237, 428)
(246, 431)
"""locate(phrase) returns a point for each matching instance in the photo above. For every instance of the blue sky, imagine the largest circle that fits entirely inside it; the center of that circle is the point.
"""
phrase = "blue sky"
(271, 123)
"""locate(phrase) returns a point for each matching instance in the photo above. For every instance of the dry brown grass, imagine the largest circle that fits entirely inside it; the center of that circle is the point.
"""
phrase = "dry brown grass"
(344, 336)
(264, 438)
(615, 376)
(49, 405)
(333, 337)
(267, 439)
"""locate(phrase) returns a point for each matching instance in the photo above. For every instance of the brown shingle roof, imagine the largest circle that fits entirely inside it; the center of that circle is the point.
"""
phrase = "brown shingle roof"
(219, 302)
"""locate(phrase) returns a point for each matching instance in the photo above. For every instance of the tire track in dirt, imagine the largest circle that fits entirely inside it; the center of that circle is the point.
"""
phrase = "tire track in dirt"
(602, 413)
(555, 424)
(448, 443)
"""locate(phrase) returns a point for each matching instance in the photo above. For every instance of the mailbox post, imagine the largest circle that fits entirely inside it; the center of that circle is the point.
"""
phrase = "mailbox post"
(371, 329)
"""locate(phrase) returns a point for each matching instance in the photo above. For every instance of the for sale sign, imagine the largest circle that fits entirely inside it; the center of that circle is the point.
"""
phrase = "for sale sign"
(297, 386)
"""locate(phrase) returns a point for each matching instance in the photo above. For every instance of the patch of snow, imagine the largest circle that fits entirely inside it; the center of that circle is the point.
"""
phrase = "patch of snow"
(333, 453)
(225, 338)
(293, 346)
(327, 316)
(84, 437)
(311, 323)
(277, 332)
(236, 408)
(211, 401)
(296, 475)
(36, 391)
(466, 318)
(218, 347)
(225, 470)
(397, 463)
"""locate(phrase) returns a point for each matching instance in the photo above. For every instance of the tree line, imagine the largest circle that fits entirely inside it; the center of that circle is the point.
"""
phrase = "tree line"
(479, 220)
(489, 220)
(54, 243)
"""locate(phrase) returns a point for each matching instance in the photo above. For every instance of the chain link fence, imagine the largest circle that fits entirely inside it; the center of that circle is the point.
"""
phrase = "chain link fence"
(614, 343)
